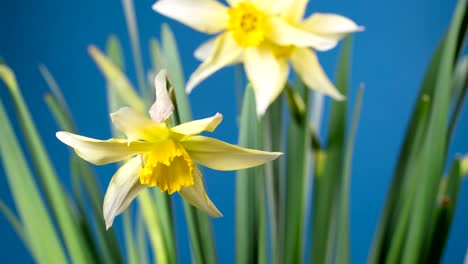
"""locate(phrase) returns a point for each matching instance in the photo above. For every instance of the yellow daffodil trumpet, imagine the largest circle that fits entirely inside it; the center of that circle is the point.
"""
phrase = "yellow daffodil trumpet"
(264, 35)
(162, 156)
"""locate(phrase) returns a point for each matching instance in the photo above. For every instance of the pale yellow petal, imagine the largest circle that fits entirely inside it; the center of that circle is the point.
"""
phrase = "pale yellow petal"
(123, 188)
(226, 52)
(205, 50)
(102, 152)
(219, 155)
(277, 6)
(198, 126)
(207, 16)
(330, 25)
(267, 74)
(162, 107)
(306, 64)
(285, 34)
(137, 126)
(295, 12)
(196, 196)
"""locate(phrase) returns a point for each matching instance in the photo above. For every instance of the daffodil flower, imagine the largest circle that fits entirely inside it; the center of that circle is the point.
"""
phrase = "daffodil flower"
(161, 156)
(264, 35)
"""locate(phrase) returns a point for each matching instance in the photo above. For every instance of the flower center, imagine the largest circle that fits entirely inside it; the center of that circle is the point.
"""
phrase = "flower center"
(168, 166)
(247, 24)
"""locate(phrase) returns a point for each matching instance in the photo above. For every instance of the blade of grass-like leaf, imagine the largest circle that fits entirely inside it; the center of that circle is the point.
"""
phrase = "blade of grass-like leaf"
(117, 79)
(409, 187)
(175, 72)
(156, 56)
(246, 214)
(342, 241)
(56, 197)
(53, 87)
(433, 153)
(17, 226)
(297, 171)
(450, 187)
(81, 172)
(274, 177)
(385, 227)
(31, 208)
(130, 242)
(140, 239)
(132, 28)
(326, 185)
(460, 87)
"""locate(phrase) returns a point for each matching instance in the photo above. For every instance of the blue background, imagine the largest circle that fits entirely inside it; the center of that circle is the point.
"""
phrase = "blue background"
(390, 57)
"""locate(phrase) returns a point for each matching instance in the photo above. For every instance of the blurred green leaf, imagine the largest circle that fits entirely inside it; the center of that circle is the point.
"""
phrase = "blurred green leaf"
(38, 225)
(434, 149)
(56, 197)
(17, 226)
(297, 171)
(117, 79)
(327, 184)
(342, 232)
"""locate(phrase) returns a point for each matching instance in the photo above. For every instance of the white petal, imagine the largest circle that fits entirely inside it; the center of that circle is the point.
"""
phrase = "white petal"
(306, 64)
(330, 25)
(123, 188)
(267, 74)
(196, 196)
(101, 152)
(284, 34)
(137, 126)
(219, 155)
(207, 16)
(205, 50)
(226, 52)
(295, 12)
(198, 126)
(162, 107)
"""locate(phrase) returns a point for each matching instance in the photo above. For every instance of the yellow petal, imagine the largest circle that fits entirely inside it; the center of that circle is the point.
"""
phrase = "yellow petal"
(295, 12)
(207, 16)
(225, 52)
(205, 50)
(267, 74)
(162, 107)
(330, 25)
(196, 196)
(306, 64)
(137, 126)
(219, 155)
(123, 188)
(198, 126)
(284, 34)
(101, 152)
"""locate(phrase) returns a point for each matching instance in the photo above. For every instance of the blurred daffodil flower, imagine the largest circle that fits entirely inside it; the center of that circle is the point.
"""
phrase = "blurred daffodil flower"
(161, 156)
(264, 35)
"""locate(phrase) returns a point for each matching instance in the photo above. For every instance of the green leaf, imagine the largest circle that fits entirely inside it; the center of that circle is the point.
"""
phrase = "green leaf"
(56, 197)
(132, 28)
(117, 79)
(17, 226)
(342, 232)
(326, 182)
(460, 87)
(247, 229)
(297, 180)
(130, 241)
(175, 72)
(82, 174)
(449, 188)
(434, 149)
(38, 225)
